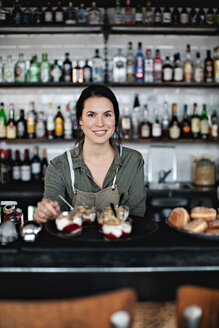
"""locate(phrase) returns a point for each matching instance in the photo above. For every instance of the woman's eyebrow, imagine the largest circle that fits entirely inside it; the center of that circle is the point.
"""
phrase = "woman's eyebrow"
(107, 111)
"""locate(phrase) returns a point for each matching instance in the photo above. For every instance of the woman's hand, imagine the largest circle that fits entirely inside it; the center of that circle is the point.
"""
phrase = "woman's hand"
(46, 210)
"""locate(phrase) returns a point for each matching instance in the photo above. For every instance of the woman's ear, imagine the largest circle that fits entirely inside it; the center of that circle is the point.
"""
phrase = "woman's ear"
(80, 122)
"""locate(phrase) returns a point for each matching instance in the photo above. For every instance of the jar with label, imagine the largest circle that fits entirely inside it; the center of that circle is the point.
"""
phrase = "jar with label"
(205, 172)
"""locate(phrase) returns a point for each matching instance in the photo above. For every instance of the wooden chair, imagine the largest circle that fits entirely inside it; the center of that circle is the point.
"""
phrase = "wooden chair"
(206, 298)
(86, 312)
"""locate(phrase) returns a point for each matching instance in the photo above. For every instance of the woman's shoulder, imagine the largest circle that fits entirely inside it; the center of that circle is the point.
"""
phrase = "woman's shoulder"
(129, 154)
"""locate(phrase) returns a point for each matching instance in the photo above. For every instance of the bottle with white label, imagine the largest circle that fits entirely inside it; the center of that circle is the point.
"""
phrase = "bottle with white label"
(174, 129)
(67, 123)
(16, 167)
(167, 69)
(36, 165)
(97, 67)
(149, 67)
(119, 67)
(26, 167)
(177, 69)
(156, 126)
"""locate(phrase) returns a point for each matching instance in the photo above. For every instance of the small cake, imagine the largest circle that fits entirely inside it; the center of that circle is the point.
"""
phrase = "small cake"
(179, 217)
(69, 222)
(197, 226)
(88, 213)
(205, 213)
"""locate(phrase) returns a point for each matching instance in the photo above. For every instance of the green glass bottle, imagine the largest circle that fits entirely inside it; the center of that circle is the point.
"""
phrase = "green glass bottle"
(45, 69)
(2, 122)
(34, 72)
(204, 126)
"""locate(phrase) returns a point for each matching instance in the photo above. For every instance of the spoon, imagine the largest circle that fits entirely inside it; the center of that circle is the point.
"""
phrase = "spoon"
(192, 316)
(120, 319)
(113, 209)
(65, 201)
(121, 198)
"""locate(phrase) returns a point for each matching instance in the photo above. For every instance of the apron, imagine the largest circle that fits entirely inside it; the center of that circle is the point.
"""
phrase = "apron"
(100, 199)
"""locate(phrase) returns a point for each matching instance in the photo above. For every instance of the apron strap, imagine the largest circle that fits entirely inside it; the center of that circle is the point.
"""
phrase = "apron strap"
(71, 170)
(114, 180)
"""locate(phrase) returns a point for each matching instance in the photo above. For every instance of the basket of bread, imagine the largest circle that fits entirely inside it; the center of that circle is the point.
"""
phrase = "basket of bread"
(201, 222)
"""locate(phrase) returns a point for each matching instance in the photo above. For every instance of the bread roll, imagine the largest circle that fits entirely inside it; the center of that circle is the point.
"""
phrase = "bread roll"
(212, 231)
(179, 217)
(205, 213)
(197, 226)
(213, 224)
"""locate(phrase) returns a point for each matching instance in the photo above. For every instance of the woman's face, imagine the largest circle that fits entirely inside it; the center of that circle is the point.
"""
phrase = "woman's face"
(98, 119)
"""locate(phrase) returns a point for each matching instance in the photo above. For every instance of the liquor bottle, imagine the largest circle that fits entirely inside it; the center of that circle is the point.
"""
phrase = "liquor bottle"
(2, 122)
(94, 15)
(217, 16)
(45, 69)
(87, 72)
(67, 69)
(70, 14)
(40, 125)
(177, 68)
(21, 126)
(128, 16)
(167, 69)
(17, 14)
(156, 131)
(208, 68)
(201, 16)
(165, 122)
(16, 167)
(185, 125)
(216, 64)
(148, 67)
(126, 124)
(210, 17)
(204, 126)
(119, 67)
(36, 164)
(145, 126)
(48, 14)
(27, 14)
(8, 156)
(38, 15)
(184, 16)
(50, 123)
(8, 70)
(136, 117)
(82, 14)
(4, 169)
(139, 64)
(138, 14)
(214, 126)
(67, 123)
(4, 15)
(34, 70)
(77, 73)
(175, 16)
(59, 14)
(198, 69)
(193, 17)
(148, 15)
(174, 129)
(56, 72)
(157, 16)
(166, 16)
(117, 17)
(97, 67)
(157, 67)
(188, 70)
(44, 164)
(59, 123)
(1, 69)
(31, 121)
(20, 69)
(130, 63)
(11, 129)
(195, 122)
(26, 167)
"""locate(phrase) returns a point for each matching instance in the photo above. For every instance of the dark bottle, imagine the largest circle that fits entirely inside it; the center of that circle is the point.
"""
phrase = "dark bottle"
(35, 165)
(177, 68)
(77, 73)
(214, 129)
(59, 14)
(165, 122)
(49, 14)
(9, 162)
(167, 69)
(193, 17)
(145, 125)
(59, 124)
(11, 129)
(16, 168)
(210, 17)
(26, 167)
(184, 16)
(157, 16)
(27, 15)
(44, 164)
(185, 125)
(201, 17)
(38, 15)
(67, 69)
(174, 128)
(17, 14)
(56, 72)
(21, 126)
(195, 122)
(70, 14)
(175, 16)
(87, 72)
(204, 126)
(4, 15)
(82, 14)
(166, 16)
(4, 170)
(208, 68)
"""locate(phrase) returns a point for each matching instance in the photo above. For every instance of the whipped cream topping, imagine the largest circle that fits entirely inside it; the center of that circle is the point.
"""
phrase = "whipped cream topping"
(63, 222)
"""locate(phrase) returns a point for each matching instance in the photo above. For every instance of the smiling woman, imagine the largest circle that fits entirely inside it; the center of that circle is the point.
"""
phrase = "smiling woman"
(98, 170)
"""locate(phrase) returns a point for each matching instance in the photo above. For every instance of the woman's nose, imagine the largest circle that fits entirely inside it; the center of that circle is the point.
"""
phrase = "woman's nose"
(99, 120)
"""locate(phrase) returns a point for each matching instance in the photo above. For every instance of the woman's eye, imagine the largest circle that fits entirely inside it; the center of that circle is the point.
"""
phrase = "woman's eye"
(108, 115)
(90, 115)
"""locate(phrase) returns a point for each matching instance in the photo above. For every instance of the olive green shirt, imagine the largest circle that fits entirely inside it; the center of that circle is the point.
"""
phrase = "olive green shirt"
(130, 178)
